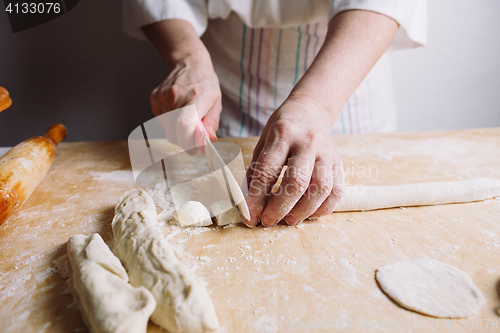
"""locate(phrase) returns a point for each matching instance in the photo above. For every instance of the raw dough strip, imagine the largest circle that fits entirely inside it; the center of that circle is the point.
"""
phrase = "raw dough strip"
(183, 303)
(107, 301)
(361, 198)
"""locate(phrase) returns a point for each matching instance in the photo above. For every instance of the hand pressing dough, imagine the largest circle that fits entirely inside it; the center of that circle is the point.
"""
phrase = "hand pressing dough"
(192, 214)
(183, 303)
(107, 301)
(360, 198)
(225, 213)
(430, 287)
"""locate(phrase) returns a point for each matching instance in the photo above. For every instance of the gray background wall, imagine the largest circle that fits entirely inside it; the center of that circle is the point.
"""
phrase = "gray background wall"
(81, 70)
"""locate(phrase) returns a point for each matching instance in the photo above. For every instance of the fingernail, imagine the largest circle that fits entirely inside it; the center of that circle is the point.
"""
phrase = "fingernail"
(291, 220)
(267, 221)
(252, 223)
(247, 222)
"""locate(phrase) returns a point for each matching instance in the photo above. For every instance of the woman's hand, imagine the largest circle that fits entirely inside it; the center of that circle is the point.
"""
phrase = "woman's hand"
(296, 135)
(192, 80)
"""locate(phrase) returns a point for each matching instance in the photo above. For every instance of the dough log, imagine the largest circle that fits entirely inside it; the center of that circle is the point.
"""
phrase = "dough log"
(107, 301)
(361, 198)
(183, 303)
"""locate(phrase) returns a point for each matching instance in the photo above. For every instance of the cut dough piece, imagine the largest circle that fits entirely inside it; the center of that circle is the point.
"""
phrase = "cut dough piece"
(430, 287)
(193, 214)
(183, 303)
(360, 198)
(225, 213)
(107, 301)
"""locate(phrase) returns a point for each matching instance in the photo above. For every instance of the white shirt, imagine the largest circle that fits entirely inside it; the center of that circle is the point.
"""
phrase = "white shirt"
(261, 48)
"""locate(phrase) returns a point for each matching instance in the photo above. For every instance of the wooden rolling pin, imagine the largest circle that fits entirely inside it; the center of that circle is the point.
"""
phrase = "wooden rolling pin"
(5, 100)
(23, 167)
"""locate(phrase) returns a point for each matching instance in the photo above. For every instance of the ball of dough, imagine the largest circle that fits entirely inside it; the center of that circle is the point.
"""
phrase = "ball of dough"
(430, 287)
(225, 213)
(192, 214)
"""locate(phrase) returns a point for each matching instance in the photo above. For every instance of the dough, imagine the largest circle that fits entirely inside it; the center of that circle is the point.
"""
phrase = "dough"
(225, 213)
(193, 214)
(107, 302)
(360, 198)
(183, 303)
(430, 287)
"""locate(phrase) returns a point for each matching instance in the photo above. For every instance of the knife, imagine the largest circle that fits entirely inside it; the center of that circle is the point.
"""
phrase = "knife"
(225, 177)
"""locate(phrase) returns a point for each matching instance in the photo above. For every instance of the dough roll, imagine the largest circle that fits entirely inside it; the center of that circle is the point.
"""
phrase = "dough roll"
(108, 303)
(361, 198)
(183, 303)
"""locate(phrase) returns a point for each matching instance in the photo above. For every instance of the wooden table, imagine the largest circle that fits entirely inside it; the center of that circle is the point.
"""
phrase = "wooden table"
(275, 279)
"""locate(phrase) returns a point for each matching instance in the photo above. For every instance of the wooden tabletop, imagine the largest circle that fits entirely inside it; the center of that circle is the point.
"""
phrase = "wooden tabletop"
(271, 279)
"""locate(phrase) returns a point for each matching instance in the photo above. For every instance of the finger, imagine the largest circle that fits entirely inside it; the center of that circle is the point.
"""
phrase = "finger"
(336, 194)
(211, 120)
(265, 172)
(319, 189)
(256, 153)
(294, 184)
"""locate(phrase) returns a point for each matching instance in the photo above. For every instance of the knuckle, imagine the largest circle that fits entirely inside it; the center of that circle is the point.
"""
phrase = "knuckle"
(310, 138)
(297, 182)
(173, 92)
(265, 175)
(324, 188)
(196, 91)
(281, 130)
(338, 191)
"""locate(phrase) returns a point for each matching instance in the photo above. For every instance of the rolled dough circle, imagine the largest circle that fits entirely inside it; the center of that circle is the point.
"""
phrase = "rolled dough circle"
(430, 287)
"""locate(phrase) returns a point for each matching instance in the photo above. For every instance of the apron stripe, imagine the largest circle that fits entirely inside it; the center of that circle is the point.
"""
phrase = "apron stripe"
(242, 80)
(315, 50)
(250, 77)
(276, 72)
(342, 120)
(258, 84)
(349, 116)
(307, 48)
(268, 58)
(297, 58)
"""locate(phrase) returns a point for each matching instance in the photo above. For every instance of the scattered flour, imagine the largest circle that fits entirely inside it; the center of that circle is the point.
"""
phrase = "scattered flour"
(351, 270)
(307, 288)
(267, 324)
(488, 233)
(116, 176)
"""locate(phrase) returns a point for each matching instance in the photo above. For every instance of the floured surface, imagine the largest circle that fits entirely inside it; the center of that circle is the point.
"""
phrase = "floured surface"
(267, 280)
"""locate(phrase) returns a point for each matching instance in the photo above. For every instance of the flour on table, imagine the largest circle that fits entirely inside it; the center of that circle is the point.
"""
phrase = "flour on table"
(117, 176)
(430, 287)
(163, 200)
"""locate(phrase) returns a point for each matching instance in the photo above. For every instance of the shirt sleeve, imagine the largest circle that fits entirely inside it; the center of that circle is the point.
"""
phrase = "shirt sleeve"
(410, 14)
(138, 13)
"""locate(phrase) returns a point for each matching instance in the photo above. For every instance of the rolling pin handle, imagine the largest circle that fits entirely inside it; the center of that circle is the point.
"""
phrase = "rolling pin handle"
(56, 133)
